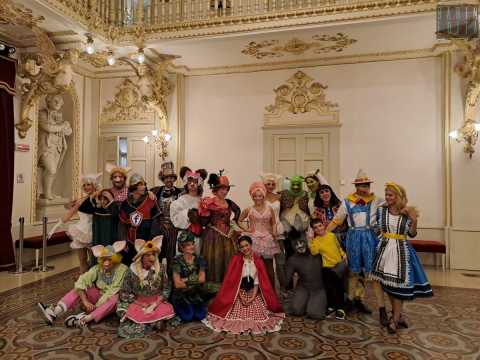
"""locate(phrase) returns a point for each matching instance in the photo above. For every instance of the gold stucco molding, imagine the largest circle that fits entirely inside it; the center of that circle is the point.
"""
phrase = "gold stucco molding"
(320, 44)
(127, 106)
(469, 69)
(300, 95)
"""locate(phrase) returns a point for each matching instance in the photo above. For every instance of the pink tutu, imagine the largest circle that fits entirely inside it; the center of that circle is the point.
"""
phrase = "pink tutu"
(138, 314)
(254, 318)
(264, 244)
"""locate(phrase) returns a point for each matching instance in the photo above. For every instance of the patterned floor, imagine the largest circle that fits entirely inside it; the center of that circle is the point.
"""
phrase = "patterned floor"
(445, 327)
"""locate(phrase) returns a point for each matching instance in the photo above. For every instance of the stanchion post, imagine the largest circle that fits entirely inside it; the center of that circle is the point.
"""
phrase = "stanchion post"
(19, 257)
(45, 268)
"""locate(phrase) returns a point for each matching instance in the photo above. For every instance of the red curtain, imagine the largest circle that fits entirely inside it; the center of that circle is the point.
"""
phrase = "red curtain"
(7, 148)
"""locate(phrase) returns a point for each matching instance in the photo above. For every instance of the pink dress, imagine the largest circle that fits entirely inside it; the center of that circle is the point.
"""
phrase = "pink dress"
(261, 226)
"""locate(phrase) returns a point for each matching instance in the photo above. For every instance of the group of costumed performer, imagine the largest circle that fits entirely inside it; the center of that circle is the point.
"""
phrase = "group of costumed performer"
(304, 232)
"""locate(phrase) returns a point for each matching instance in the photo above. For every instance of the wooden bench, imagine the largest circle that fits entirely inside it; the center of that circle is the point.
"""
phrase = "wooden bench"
(36, 242)
(431, 246)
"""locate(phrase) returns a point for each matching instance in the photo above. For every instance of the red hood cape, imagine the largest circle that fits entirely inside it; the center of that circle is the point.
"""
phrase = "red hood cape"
(225, 298)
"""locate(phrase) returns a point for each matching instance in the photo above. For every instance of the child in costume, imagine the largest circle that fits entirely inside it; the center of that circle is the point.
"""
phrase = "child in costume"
(360, 209)
(184, 210)
(262, 227)
(334, 266)
(97, 289)
(396, 265)
(246, 302)
(143, 300)
(218, 237)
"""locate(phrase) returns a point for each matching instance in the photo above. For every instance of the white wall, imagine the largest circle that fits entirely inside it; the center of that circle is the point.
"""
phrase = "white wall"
(391, 125)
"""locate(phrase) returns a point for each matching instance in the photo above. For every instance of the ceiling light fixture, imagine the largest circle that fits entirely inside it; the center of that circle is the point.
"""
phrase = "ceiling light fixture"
(111, 58)
(140, 56)
(89, 48)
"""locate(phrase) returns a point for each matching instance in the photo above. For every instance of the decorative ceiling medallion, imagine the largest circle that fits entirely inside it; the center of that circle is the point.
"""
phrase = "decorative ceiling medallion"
(300, 95)
(321, 44)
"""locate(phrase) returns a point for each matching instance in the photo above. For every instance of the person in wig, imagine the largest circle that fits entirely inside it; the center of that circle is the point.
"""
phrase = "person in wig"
(396, 265)
(246, 301)
(313, 180)
(360, 210)
(143, 300)
(272, 183)
(97, 289)
(118, 177)
(262, 227)
(184, 210)
(80, 232)
(218, 237)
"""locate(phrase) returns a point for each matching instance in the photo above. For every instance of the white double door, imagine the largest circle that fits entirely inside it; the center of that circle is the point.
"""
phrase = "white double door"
(299, 154)
(128, 150)
(298, 151)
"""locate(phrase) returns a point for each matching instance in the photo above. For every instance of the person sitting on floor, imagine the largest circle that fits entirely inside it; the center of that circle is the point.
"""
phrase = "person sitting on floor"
(334, 266)
(189, 296)
(143, 305)
(96, 289)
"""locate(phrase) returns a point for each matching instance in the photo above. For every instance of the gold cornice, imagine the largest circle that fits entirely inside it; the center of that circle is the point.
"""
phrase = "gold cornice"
(436, 50)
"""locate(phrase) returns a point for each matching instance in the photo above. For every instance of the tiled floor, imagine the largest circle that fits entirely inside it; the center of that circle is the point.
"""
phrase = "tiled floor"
(452, 278)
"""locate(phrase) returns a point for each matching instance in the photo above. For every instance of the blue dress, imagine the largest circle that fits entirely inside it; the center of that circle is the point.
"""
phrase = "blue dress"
(361, 242)
(396, 265)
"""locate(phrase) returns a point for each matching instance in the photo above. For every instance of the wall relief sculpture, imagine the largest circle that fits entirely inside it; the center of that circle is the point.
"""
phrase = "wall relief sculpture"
(301, 101)
(320, 44)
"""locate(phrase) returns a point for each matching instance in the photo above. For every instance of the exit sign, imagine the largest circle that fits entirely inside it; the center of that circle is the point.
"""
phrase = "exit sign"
(457, 21)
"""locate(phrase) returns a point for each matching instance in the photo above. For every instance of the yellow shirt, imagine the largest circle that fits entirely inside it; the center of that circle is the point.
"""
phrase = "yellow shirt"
(327, 246)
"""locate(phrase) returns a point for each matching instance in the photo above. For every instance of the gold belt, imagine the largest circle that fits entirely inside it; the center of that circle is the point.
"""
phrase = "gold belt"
(394, 236)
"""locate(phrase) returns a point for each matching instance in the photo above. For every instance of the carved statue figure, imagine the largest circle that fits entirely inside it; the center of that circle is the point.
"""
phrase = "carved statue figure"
(52, 142)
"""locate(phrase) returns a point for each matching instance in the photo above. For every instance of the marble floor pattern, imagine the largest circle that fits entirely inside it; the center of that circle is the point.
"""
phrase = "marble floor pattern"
(445, 327)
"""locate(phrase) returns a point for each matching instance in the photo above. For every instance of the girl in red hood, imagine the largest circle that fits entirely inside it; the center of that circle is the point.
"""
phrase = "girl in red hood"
(246, 302)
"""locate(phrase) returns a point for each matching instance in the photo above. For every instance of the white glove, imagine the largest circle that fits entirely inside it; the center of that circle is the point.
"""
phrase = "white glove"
(54, 228)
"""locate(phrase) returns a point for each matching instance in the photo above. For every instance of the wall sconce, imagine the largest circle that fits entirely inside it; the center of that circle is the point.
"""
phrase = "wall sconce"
(160, 138)
(111, 58)
(468, 134)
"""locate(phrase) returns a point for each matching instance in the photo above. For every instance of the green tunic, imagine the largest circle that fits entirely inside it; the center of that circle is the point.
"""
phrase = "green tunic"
(108, 285)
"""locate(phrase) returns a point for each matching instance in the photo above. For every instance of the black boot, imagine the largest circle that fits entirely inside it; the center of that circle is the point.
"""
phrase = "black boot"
(361, 308)
(383, 316)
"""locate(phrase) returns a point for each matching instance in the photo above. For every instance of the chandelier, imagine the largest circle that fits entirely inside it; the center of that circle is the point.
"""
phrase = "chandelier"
(468, 134)
(160, 138)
